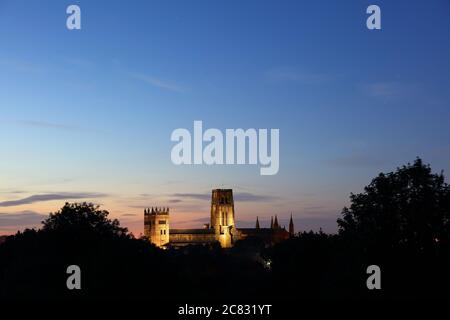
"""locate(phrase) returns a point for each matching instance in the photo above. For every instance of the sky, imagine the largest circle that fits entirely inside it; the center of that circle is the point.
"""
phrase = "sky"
(87, 115)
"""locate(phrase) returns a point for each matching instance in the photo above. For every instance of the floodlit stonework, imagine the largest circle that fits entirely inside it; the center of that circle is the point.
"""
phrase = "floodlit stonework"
(221, 229)
(156, 225)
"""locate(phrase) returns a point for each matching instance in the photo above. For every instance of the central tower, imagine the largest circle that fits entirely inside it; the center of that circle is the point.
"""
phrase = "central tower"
(222, 216)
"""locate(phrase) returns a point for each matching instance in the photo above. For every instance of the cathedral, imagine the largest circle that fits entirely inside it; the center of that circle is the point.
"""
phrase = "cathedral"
(221, 229)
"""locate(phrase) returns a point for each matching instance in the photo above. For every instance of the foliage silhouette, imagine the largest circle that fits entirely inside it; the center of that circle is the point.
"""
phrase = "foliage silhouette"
(400, 222)
(408, 208)
(83, 218)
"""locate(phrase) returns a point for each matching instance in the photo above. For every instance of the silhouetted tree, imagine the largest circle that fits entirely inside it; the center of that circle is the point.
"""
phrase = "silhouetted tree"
(84, 218)
(33, 263)
(408, 208)
(400, 223)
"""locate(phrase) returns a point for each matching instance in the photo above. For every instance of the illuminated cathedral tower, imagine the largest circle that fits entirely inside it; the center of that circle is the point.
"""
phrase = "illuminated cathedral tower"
(156, 225)
(222, 216)
(222, 227)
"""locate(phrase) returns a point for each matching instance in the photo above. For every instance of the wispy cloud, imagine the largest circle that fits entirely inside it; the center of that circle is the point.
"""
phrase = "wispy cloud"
(158, 83)
(251, 197)
(51, 196)
(21, 218)
(129, 215)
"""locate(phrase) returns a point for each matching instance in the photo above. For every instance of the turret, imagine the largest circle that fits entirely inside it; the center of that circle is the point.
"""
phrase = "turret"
(156, 225)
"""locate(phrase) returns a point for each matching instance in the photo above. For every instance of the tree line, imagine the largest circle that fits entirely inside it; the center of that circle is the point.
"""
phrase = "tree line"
(400, 222)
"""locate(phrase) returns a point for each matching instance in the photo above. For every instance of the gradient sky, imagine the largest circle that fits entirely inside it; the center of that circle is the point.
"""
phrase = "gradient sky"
(87, 114)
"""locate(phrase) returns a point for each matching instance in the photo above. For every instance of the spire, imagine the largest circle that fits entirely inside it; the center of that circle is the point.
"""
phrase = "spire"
(275, 223)
(291, 227)
(257, 223)
(271, 222)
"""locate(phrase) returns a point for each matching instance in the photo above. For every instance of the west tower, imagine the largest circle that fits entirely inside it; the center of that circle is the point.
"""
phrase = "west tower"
(156, 225)
(222, 216)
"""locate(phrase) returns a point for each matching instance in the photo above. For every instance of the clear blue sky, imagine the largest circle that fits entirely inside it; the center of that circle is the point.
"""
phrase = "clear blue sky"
(88, 114)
